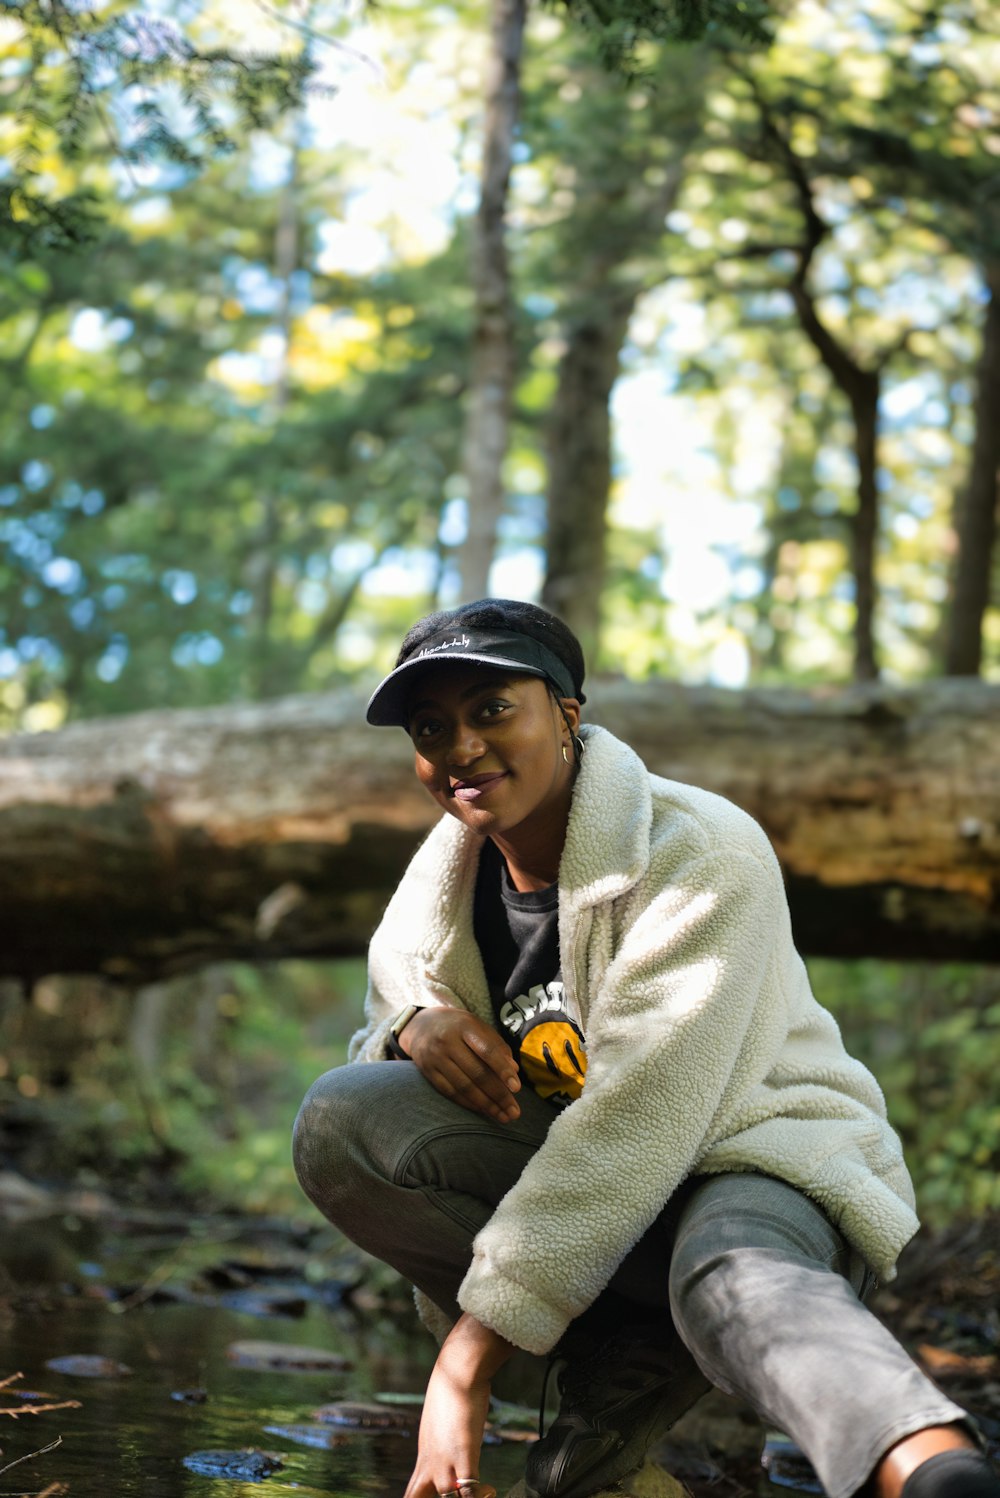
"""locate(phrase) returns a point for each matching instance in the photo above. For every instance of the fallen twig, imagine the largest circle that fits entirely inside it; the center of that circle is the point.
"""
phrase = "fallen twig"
(41, 1452)
(39, 1409)
(12, 1378)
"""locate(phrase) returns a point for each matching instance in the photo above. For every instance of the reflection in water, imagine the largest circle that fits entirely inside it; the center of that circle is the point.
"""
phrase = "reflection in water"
(62, 1287)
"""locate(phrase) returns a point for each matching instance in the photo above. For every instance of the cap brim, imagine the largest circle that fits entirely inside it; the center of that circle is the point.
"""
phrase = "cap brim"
(387, 705)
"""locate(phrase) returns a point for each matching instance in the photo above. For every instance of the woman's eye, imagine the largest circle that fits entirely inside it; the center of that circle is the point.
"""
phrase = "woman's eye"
(425, 730)
(494, 709)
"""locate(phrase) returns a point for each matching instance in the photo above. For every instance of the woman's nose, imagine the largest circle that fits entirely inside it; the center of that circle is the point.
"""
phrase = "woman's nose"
(466, 745)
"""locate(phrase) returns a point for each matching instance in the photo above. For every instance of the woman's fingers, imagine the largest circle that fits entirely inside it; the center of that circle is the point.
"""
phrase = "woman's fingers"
(465, 1060)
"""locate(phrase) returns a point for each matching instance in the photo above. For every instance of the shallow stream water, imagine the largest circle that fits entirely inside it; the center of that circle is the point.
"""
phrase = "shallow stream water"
(148, 1297)
(168, 1298)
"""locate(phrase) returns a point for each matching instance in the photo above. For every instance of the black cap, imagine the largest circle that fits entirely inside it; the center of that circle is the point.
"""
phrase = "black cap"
(503, 649)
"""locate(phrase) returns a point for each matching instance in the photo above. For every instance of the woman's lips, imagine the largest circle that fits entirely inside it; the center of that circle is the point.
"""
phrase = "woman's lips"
(471, 790)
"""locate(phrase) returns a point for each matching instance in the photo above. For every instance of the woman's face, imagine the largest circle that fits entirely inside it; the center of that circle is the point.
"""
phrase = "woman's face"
(489, 747)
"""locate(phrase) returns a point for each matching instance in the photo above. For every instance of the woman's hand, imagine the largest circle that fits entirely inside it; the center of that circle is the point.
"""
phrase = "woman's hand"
(465, 1060)
(455, 1409)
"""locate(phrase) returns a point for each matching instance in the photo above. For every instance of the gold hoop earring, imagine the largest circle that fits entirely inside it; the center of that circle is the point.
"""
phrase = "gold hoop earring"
(566, 758)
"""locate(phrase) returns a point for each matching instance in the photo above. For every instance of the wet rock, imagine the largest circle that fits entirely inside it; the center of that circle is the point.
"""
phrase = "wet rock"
(285, 1356)
(371, 1417)
(265, 1302)
(86, 1365)
(789, 1467)
(190, 1396)
(249, 1465)
(309, 1435)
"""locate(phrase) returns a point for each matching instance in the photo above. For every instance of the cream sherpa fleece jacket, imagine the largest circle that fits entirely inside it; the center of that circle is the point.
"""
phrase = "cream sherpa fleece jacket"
(707, 1051)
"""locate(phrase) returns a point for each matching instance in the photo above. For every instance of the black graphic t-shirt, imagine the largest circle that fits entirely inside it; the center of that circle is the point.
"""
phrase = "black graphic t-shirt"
(518, 936)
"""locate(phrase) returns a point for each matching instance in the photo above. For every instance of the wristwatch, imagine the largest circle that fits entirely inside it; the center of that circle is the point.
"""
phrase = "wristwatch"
(399, 1024)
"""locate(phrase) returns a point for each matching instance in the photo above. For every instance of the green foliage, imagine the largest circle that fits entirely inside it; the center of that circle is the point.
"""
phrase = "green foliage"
(624, 29)
(116, 84)
(931, 1035)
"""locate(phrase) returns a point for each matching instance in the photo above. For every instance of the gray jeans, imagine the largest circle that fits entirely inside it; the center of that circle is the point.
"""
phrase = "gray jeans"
(762, 1290)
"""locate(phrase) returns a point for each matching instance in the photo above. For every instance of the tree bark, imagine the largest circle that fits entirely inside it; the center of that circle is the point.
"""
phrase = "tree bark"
(976, 511)
(579, 471)
(137, 847)
(491, 378)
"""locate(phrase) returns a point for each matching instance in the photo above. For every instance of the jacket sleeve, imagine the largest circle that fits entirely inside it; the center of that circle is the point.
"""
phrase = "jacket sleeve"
(688, 1015)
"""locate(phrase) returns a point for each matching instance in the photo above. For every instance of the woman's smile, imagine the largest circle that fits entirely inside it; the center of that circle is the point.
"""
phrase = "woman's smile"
(489, 749)
(475, 786)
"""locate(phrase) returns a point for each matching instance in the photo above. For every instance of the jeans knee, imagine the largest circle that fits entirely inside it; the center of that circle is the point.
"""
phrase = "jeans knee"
(713, 1300)
(322, 1147)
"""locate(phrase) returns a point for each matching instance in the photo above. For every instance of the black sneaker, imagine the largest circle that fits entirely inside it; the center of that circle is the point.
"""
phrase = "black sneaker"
(616, 1399)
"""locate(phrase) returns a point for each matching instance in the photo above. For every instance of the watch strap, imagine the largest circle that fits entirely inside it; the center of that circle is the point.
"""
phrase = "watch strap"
(399, 1024)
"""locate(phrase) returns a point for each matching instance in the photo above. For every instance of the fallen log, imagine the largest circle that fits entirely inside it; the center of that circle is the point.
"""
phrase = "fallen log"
(141, 846)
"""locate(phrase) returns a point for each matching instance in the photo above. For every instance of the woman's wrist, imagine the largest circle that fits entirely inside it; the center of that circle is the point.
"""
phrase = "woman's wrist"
(475, 1350)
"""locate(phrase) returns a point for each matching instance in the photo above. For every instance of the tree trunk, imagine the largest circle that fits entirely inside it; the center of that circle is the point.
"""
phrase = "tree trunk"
(136, 847)
(579, 471)
(976, 511)
(863, 390)
(579, 423)
(864, 408)
(262, 565)
(491, 377)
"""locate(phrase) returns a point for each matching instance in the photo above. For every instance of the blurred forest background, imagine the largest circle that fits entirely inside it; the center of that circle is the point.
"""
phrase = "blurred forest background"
(683, 318)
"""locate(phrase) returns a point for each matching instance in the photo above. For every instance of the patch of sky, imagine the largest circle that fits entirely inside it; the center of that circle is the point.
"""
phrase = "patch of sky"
(35, 475)
(38, 648)
(519, 574)
(114, 660)
(202, 649)
(241, 603)
(113, 597)
(351, 249)
(763, 305)
(92, 502)
(151, 210)
(747, 582)
(258, 289)
(651, 567)
(10, 663)
(538, 304)
(349, 557)
(41, 417)
(182, 586)
(925, 54)
(311, 596)
(843, 588)
(520, 151)
(30, 548)
(454, 523)
(82, 613)
(148, 176)
(63, 574)
(269, 162)
(317, 567)
(127, 564)
(92, 330)
(466, 197)
(788, 499)
(31, 597)
(525, 517)
(729, 662)
(907, 527)
(402, 574)
(242, 369)
(9, 494)
(826, 502)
